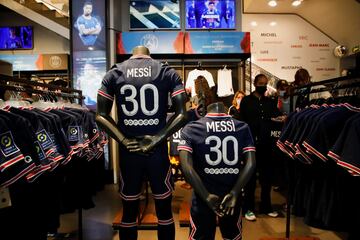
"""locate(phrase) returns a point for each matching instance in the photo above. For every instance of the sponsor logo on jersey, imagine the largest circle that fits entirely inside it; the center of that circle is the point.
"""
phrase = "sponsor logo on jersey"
(74, 133)
(7, 144)
(39, 151)
(44, 139)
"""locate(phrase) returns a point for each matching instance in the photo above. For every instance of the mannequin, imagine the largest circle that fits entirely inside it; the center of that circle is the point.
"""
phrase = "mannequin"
(141, 132)
(226, 205)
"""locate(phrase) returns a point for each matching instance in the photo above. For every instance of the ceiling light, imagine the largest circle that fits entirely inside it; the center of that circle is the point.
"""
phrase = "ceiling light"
(296, 3)
(272, 3)
(272, 24)
(253, 23)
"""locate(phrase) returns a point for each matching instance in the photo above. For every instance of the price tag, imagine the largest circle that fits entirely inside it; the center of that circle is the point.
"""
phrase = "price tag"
(5, 200)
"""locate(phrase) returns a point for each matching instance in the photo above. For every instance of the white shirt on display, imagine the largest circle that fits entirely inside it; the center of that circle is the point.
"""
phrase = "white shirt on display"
(193, 75)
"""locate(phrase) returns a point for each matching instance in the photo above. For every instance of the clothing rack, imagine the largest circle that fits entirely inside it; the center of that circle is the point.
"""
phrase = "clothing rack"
(27, 86)
(329, 85)
(65, 92)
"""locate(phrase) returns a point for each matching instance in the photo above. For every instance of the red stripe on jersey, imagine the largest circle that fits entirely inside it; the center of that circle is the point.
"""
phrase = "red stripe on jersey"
(11, 162)
(185, 148)
(177, 92)
(217, 115)
(349, 166)
(314, 151)
(334, 156)
(249, 149)
(105, 95)
(18, 176)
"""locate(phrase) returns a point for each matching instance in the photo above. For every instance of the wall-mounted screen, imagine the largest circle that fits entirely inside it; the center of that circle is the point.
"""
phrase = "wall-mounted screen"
(154, 14)
(210, 14)
(17, 37)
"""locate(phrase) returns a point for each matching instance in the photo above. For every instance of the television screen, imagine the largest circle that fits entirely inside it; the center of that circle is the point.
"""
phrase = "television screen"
(210, 14)
(13, 38)
(154, 14)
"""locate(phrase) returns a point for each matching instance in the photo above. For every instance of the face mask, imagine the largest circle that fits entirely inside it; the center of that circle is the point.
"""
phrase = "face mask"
(238, 101)
(261, 89)
(282, 93)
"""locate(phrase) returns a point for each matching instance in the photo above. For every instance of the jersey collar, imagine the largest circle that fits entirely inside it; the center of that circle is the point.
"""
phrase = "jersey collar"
(139, 56)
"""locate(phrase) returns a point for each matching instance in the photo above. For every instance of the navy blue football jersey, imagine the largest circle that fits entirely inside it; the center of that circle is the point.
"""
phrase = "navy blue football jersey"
(140, 87)
(217, 143)
(346, 150)
(174, 139)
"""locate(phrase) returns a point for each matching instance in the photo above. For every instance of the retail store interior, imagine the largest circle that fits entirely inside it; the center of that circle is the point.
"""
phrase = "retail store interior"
(179, 119)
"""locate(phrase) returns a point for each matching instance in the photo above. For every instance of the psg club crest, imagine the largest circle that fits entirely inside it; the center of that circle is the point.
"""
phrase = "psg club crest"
(150, 41)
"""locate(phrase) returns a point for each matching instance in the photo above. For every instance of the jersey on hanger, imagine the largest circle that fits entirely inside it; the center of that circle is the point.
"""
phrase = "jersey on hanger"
(193, 75)
(225, 86)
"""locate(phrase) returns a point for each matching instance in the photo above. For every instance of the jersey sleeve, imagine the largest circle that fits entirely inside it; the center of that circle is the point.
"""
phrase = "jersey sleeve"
(176, 85)
(185, 143)
(247, 140)
(348, 156)
(210, 79)
(107, 89)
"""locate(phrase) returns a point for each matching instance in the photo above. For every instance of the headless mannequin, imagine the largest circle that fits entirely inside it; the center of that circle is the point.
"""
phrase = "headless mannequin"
(143, 145)
(146, 143)
(226, 205)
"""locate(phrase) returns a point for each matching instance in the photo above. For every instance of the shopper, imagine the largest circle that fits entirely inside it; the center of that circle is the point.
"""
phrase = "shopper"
(234, 110)
(302, 79)
(258, 111)
(282, 88)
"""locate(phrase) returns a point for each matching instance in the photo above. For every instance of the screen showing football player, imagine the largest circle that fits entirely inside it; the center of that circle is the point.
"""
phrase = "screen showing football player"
(140, 87)
(14, 41)
(191, 15)
(211, 16)
(89, 26)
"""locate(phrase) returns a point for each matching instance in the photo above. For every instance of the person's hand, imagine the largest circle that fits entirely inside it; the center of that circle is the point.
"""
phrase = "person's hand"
(213, 201)
(228, 204)
(130, 143)
(279, 118)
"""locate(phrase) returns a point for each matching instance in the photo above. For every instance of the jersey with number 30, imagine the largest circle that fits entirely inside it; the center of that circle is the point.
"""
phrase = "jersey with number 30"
(141, 86)
(217, 143)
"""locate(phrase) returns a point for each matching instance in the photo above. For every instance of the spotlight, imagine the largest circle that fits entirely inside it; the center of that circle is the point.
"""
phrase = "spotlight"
(296, 3)
(253, 23)
(272, 24)
(272, 3)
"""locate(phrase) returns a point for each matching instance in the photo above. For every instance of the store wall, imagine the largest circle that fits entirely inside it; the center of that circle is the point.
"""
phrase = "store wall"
(283, 43)
(45, 41)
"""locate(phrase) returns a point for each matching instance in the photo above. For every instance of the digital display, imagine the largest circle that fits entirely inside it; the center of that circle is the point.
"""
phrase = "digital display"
(154, 14)
(88, 47)
(210, 14)
(18, 37)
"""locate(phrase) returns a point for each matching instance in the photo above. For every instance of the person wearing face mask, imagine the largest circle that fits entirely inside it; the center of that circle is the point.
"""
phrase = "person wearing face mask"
(283, 104)
(234, 110)
(258, 111)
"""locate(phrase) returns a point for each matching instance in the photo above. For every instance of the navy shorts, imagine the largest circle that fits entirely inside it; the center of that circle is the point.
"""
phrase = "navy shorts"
(155, 168)
(203, 222)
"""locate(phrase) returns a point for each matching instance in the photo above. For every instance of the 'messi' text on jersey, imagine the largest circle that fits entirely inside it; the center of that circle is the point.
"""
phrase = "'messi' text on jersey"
(139, 72)
(220, 126)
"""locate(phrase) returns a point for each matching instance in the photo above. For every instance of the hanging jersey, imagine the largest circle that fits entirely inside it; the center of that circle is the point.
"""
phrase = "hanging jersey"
(217, 143)
(193, 75)
(140, 87)
(225, 86)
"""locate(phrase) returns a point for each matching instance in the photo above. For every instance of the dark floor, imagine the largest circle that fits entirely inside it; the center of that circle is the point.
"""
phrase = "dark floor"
(98, 221)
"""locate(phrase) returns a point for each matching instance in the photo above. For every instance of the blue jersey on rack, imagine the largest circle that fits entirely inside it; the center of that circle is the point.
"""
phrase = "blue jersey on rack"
(217, 143)
(141, 86)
